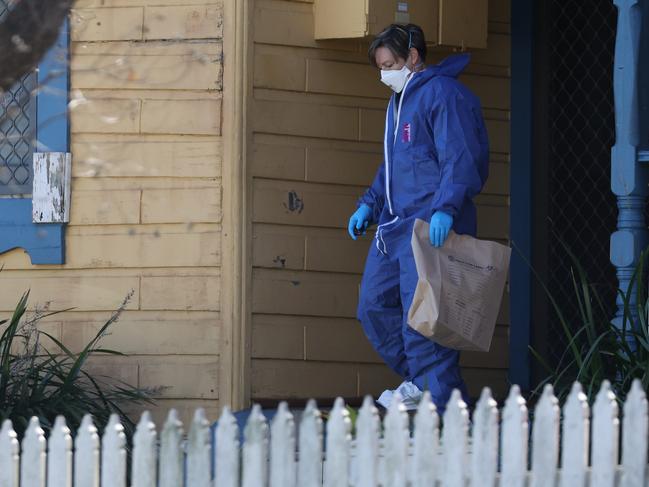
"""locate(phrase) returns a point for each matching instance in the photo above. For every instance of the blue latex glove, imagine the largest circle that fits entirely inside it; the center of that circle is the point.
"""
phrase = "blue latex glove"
(440, 225)
(360, 220)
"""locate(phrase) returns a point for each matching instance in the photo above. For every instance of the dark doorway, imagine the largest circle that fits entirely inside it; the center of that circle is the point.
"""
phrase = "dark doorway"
(574, 130)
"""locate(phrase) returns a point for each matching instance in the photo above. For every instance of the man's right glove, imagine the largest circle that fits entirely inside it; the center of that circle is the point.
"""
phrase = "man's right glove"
(359, 221)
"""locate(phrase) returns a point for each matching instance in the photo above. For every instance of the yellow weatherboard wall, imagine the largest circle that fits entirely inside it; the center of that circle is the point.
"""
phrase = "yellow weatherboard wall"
(317, 121)
(246, 288)
(146, 197)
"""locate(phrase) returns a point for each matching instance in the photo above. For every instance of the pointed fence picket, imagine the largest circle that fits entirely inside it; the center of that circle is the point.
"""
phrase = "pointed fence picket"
(9, 458)
(282, 449)
(32, 460)
(144, 453)
(86, 458)
(170, 467)
(545, 440)
(227, 451)
(574, 446)
(368, 427)
(310, 451)
(393, 452)
(484, 460)
(199, 453)
(396, 445)
(425, 456)
(59, 455)
(336, 468)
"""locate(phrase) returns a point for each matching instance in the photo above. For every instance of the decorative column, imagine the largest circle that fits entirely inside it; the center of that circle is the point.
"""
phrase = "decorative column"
(628, 178)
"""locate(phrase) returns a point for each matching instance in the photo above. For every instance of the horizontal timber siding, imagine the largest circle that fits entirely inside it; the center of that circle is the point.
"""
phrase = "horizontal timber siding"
(146, 200)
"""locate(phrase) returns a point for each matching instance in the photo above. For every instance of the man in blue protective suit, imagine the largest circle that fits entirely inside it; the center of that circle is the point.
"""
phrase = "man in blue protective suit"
(435, 162)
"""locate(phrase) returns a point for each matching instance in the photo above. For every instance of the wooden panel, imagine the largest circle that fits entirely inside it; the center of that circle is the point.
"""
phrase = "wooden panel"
(144, 332)
(340, 78)
(146, 156)
(105, 115)
(279, 379)
(336, 251)
(181, 205)
(305, 119)
(107, 24)
(290, 24)
(178, 292)
(184, 22)
(304, 293)
(498, 131)
(280, 337)
(498, 181)
(145, 65)
(278, 161)
(146, 247)
(278, 247)
(463, 23)
(288, 379)
(279, 71)
(105, 207)
(170, 376)
(303, 203)
(374, 379)
(500, 11)
(314, 249)
(315, 160)
(372, 125)
(339, 19)
(493, 222)
(63, 291)
(477, 379)
(166, 376)
(338, 341)
(201, 117)
(341, 167)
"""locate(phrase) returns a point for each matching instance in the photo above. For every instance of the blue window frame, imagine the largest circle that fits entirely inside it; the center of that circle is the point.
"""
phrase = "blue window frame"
(41, 124)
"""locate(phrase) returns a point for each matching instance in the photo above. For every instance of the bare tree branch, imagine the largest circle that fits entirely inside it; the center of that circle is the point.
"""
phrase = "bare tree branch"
(28, 30)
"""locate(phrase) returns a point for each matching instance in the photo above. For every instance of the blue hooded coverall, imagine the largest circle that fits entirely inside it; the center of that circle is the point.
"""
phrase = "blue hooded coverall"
(436, 156)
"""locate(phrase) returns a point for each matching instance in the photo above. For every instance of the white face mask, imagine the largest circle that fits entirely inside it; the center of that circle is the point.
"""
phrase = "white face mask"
(395, 78)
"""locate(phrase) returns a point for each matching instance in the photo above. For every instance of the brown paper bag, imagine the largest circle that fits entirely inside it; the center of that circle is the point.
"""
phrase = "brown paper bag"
(460, 289)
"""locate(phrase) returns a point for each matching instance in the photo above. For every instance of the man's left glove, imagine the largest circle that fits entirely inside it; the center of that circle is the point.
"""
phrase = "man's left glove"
(440, 226)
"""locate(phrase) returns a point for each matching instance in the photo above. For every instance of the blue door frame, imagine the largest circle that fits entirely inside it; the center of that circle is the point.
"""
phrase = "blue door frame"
(520, 283)
(629, 158)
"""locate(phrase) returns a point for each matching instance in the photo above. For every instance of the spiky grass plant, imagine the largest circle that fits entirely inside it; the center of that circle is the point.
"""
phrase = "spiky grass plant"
(597, 349)
(36, 381)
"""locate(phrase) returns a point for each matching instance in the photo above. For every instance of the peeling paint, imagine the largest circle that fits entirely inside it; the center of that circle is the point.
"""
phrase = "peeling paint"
(51, 187)
(294, 203)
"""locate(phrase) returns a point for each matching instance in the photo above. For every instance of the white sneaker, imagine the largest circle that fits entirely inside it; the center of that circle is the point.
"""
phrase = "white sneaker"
(409, 393)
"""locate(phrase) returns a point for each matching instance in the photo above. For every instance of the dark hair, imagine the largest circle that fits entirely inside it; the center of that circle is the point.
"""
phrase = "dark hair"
(399, 39)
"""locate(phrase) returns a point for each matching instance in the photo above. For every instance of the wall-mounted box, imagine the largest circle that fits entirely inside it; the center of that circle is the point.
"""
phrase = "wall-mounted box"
(460, 23)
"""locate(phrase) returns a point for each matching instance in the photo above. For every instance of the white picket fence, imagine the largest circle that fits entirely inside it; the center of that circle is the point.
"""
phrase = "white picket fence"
(386, 454)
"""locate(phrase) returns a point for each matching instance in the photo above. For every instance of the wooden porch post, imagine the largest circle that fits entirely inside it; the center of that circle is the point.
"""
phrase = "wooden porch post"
(628, 178)
(234, 378)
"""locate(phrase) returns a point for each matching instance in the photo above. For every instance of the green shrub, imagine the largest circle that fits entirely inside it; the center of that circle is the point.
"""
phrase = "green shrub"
(597, 349)
(35, 381)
